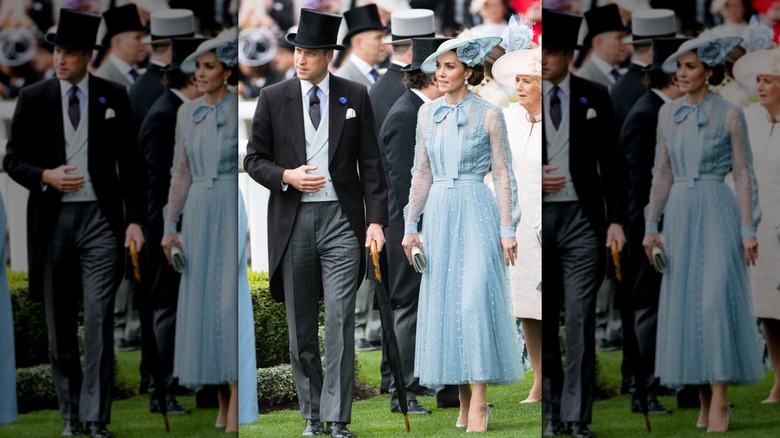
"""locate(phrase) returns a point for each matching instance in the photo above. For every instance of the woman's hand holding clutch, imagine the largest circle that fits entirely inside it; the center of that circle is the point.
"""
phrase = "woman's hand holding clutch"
(409, 241)
(168, 242)
(652, 241)
(750, 245)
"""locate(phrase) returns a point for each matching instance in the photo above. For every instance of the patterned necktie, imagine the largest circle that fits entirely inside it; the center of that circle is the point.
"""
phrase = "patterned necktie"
(374, 74)
(314, 107)
(134, 74)
(74, 110)
(555, 107)
(615, 74)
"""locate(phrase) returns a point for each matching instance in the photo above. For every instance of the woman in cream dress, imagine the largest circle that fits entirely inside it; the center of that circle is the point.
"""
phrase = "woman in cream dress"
(760, 70)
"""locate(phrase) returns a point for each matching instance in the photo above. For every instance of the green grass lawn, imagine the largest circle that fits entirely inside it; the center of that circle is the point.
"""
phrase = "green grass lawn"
(749, 418)
(372, 418)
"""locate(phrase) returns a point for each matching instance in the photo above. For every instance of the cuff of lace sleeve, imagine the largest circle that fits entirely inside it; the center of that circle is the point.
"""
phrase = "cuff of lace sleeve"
(410, 228)
(748, 231)
(507, 232)
(651, 228)
(170, 228)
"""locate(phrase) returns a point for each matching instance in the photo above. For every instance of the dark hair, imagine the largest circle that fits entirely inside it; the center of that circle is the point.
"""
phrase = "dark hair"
(657, 79)
(233, 78)
(175, 79)
(400, 48)
(416, 80)
(718, 74)
(735, 53)
(477, 75)
(160, 48)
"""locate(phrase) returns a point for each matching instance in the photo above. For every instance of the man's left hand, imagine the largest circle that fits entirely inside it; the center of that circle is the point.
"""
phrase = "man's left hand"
(134, 232)
(375, 232)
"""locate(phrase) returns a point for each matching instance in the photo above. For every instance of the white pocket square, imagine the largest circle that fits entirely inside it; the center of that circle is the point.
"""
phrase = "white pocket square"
(350, 113)
(591, 114)
(110, 114)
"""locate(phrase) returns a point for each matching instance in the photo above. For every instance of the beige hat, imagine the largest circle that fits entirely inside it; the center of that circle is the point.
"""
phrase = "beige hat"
(649, 24)
(408, 24)
(760, 62)
(526, 62)
(170, 23)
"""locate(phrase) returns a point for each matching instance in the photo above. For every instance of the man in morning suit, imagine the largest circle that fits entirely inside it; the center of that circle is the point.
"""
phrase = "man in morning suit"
(313, 144)
(404, 25)
(124, 33)
(397, 141)
(365, 38)
(164, 24)
(581, 175)
(638, 141)
(159, 282)
(73, 147)
(605, 32)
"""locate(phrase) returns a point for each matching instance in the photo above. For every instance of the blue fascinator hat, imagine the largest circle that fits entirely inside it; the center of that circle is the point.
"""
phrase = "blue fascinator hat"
(470, 51)
(711, 51)
(225, 46)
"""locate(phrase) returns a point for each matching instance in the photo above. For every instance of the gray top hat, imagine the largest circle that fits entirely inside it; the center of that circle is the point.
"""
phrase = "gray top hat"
(408, 24)
(170, 23)
(649, 24)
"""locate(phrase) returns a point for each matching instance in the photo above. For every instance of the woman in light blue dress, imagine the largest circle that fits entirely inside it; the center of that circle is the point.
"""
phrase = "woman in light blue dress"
(706, 331)
(8, 409)
(204, 189)
(466, 334)
(247, 366)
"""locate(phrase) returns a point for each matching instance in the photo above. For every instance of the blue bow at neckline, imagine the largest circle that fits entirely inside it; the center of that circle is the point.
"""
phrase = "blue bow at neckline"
(686, 109)
(202, 111)
(457, 118)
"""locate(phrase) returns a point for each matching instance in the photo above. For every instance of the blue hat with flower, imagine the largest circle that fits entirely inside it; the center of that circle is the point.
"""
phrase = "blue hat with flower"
(225, 46)
(522, 56)
(470, 51)
(711, 51)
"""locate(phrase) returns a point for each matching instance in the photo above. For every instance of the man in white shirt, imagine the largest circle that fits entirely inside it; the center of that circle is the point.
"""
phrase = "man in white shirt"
(364, 39)
(606, 32)
(125, 33)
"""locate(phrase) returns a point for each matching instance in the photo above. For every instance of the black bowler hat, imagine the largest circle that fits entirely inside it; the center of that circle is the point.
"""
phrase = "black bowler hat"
(122, 19)
(76, 30)
(362, 19)
(662, 49)
(604, 19)
(421, 49)
(316, 30)
(567, 29)
(181, 48)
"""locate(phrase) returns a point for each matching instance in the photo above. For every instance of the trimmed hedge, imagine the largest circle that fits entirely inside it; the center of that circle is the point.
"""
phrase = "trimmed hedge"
(30, 336)
(272, 345)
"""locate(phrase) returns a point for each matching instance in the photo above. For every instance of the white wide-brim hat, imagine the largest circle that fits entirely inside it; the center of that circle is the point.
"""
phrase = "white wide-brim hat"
(484, 44)
(711, 51)
(526, 62)
(229, 55)
(760, 62)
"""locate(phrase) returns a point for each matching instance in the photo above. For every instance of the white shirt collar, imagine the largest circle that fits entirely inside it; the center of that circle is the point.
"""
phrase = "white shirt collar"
(602, 65)
(565, 85)
(421, 95)
(156, 62)
(121, 65)
(661, 94)
(324, 86)
(363, 66)
(83, 86)
(181, 95)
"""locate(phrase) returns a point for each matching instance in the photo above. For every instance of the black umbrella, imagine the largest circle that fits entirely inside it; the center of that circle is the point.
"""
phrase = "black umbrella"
(388, 336)
(630, 340)
(149, 340)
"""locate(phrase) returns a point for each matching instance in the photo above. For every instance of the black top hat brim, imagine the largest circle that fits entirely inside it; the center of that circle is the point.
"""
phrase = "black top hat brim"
(51, 38)
(290, 37)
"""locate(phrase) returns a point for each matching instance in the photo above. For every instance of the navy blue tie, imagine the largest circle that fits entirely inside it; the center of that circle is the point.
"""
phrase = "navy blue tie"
(74, 110)
(314, 107)
(134, 74)
(374, 74)
(555, 107)
(615, 74)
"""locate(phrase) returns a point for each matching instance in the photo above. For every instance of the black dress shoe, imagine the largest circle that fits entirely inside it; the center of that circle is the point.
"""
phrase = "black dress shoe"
(313, 428)
(413, 407)
(173, 407)
(98, 430)
(73, 428)
(653, 407)
(554, 428)
(339, 430)
(364, 345)
(580, 430)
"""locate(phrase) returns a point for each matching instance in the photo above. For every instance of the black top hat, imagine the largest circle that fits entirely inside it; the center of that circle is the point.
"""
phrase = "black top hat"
(421, 49)
(181, 48)
(76, 30)
(316, 30)
(282, 43)
(662, 49)
(603, 19)
(122, 19)
(362, 19)
(567, 29)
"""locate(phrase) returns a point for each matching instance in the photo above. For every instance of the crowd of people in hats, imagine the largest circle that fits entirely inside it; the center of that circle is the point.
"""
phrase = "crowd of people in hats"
(679, 188)
(128, 132)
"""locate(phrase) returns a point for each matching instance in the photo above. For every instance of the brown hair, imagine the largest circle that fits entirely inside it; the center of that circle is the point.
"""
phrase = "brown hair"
(477, 75)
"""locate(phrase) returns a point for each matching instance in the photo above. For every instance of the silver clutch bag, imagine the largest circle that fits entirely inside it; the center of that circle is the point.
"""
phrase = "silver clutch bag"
(418, 260)
(177, 260)
(659, 260)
